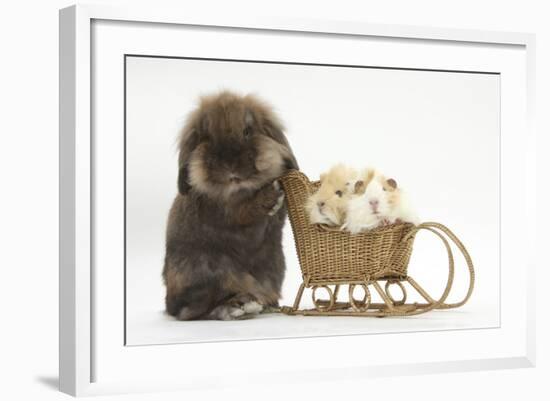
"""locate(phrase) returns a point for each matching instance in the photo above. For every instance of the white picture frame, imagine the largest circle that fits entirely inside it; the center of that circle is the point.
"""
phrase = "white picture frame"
(95, 360)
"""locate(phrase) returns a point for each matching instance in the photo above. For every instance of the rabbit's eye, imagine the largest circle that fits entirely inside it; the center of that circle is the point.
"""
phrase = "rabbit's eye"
(339, 193)
(247, 132)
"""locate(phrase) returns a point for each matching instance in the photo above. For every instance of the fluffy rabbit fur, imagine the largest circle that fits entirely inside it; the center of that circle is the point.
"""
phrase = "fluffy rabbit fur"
(224, 257)
(377, 201)
(327, 205)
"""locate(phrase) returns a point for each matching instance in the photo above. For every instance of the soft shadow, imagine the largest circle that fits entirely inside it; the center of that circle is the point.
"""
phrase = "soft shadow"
(51, 382)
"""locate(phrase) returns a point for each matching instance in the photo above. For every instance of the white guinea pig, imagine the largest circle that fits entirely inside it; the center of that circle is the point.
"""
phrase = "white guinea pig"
(377, 201)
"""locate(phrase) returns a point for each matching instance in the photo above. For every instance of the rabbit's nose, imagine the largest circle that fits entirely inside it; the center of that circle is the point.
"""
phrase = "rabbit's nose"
(320, 204)
(235, 178)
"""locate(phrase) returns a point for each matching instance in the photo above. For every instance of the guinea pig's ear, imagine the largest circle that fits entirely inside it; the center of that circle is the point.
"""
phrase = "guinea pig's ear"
(391, 183)
(183, 180)
(359, 187)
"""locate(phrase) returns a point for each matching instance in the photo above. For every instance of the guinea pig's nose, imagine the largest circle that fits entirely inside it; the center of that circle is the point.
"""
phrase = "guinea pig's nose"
(374, 203)
(320, 204)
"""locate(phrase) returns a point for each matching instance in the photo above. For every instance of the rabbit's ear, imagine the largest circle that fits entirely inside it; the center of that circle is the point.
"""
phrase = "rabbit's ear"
(290, 162)
(188, 141)
(274, 130)
(183, 180)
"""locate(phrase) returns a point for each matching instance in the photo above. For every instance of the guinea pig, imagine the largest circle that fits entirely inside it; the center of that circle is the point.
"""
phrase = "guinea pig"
(224, 257)
(341, 178)
(377, 201)
(327, 205)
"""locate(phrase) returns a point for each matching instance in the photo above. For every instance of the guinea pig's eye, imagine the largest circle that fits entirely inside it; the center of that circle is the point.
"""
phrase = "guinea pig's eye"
(247, 132)
(339, 193)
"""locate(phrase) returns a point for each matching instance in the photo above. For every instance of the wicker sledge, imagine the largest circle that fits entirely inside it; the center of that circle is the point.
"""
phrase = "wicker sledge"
(331, 258)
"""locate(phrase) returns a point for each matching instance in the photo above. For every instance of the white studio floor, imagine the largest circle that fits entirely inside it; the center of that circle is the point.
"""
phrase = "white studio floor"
(157, 328)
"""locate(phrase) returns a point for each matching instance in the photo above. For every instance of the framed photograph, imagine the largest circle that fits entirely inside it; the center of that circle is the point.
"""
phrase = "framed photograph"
(184, 240)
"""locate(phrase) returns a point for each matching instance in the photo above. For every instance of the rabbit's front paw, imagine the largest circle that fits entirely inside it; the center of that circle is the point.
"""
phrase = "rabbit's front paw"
(280, 199)
(271, 198)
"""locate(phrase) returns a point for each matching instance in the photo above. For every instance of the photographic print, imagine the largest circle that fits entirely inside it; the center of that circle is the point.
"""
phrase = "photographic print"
(269, 199)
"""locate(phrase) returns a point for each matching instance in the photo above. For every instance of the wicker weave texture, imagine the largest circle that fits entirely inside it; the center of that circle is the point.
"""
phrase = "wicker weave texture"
(329, 254)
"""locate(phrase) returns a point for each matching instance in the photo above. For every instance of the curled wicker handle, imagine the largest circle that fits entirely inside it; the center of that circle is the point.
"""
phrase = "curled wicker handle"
(440, 303)
(434, 227)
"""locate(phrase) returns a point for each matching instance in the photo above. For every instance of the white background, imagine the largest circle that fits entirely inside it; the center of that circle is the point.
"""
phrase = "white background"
(29, 135)
(436, 133)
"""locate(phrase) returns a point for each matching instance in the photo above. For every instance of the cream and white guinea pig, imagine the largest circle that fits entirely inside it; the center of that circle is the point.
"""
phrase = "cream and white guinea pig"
(377, 201)
(328, 204)
(341, 178)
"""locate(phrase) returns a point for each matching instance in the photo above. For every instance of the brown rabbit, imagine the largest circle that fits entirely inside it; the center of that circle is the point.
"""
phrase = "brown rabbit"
(224, 257)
